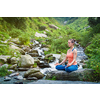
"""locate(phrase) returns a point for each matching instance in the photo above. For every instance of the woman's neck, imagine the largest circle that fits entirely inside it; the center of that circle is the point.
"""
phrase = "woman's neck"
(71, 47)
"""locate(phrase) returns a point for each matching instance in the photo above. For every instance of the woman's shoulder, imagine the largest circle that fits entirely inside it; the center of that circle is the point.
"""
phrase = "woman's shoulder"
(74, 50)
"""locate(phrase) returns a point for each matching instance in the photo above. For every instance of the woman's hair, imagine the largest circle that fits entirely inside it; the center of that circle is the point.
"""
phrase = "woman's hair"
(72, 40)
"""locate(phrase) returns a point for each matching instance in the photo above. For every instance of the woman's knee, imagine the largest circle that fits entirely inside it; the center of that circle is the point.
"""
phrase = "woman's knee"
(71, 68)
(60, 67)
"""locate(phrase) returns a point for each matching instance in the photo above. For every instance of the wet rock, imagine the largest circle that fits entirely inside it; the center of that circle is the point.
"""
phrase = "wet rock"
(18, 82)
(4, 58)
(49, 58)
(36, 60)
(23, 69)
(43, 65)
(79, 75)
(33, 51)
(14, 74)
(45, 49)
(12, 71)
(31, 71)
(26, 61)
(26, 48)
(7, 78)
(14, 60)
(34, 54)
(38, 75)
(19, 77)
(13, 66)
(31, 78)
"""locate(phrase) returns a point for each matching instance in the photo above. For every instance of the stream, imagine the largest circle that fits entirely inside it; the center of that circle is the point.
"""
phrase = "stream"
(80, 56)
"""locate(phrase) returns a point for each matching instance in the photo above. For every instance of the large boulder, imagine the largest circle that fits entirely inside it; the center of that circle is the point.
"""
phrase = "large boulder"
(26, 61)
(78, 75)
(31, 71)
(38, 75)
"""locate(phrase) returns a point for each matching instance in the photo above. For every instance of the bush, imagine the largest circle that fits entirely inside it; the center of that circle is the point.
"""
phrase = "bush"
(24, 38)
(15, 33)
(4, 71)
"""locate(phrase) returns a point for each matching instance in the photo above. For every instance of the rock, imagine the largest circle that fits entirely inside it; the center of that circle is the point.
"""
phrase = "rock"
(48, 55)
(31, 78)
(36, 60)
(79, 75)
(15, 40)
(23, 69)
(19, 77)
(45, 49)
(14, 60)
(4, 65)
(17, 48)
(13, 66)
(53, 26)
(40, 35)
(42, 27)
(38, 75)
(7, 78)
(26, 48)
(26, 61)
(31, 71)
(14, 74)
(4, 58)
(49, 58)
(18, 82)
(34, 54)
(12, 71)
(33, 51)
(43, 65)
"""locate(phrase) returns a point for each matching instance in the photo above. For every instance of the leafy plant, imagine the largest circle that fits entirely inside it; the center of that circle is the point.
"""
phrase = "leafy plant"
(4, 71)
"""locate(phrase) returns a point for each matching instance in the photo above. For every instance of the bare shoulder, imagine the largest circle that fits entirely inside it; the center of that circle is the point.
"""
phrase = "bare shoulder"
(75, 51)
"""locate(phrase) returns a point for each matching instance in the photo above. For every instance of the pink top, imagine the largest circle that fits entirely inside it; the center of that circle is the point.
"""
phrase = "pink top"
(70, 57)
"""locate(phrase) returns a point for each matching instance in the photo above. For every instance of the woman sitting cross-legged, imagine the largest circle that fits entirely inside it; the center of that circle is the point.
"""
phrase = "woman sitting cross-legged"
(71, 57)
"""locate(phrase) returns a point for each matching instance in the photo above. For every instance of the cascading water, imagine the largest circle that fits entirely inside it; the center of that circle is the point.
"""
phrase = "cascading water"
(80, 56)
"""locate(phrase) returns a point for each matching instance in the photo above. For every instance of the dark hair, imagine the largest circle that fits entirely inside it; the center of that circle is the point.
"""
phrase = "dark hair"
(72, 40)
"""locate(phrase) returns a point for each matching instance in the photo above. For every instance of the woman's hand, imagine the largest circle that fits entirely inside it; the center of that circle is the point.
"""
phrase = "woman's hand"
(57, 64)
(68, 65)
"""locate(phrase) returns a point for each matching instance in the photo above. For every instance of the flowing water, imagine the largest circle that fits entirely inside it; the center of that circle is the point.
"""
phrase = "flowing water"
(80, 56)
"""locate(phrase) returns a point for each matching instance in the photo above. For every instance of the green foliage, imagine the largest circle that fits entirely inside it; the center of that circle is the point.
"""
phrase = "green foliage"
(14, 33)
(24, 38)
(4, 71)
(93, 52)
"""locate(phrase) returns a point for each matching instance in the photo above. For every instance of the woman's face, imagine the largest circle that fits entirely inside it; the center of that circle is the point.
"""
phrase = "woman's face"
(70, 44)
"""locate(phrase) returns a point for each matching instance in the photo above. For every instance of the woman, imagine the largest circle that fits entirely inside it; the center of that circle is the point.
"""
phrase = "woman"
(71, 57)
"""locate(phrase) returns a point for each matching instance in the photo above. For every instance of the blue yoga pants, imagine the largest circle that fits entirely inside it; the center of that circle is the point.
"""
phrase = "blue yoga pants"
(68, 69)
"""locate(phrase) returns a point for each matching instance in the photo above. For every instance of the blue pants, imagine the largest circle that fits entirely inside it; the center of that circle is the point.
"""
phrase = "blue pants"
(68, 69)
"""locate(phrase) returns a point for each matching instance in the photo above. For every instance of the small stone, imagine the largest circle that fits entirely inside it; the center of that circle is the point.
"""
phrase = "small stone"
(18, 77)
(31, 78)
(14, 74)
(7, 78)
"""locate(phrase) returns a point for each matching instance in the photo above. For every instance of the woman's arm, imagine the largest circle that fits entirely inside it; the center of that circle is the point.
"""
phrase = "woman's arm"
(74, 57)
(64, 60)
